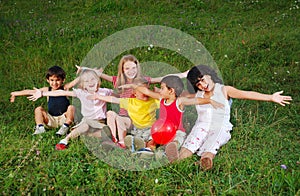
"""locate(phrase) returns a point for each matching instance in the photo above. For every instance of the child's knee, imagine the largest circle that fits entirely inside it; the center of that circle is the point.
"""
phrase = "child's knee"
(111, 114)
(39, 109)
(71, 108)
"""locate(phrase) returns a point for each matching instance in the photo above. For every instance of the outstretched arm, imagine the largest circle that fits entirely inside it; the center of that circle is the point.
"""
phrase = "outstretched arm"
(71, 84)
(199, 101)
(38, 93)
(26, 92)
(148, 92)
(180, 75)
(98, 71)
(76, 80)
(110, 99)
(252, 95)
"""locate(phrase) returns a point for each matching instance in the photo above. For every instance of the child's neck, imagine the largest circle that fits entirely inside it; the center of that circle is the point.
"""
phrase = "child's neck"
(170, 100)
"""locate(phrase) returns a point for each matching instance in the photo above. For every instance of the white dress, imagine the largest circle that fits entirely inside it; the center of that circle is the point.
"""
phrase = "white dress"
(212, 127)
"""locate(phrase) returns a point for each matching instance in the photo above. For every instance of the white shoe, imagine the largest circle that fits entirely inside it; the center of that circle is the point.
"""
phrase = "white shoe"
(39, 130)
(63, 130)
(63, 141)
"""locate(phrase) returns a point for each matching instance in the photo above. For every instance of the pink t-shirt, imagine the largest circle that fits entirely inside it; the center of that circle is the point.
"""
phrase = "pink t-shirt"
(93, 109)
(127, 93)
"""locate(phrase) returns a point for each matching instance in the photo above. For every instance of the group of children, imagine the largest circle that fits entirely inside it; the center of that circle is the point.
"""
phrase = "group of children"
(131, 127)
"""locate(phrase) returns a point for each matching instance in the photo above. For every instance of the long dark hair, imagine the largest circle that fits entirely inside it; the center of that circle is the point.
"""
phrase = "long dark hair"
(196, 73)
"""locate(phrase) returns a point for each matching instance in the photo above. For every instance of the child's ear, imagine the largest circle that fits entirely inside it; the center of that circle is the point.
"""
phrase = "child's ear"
(172, 90)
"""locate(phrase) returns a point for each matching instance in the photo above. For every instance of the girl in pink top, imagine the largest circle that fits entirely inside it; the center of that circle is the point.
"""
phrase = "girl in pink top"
(128, 70)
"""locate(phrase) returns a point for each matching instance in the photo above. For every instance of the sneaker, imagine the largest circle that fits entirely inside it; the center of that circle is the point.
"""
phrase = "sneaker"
(145, 153)
(134, 143)
(62, 145)
(139, 143)
(129, 142)
(172, 152)
(63, 130)
(39, 130)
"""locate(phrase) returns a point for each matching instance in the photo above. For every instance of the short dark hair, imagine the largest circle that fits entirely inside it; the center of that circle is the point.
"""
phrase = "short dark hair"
(196, 73)
(174, 82)
(56, 71)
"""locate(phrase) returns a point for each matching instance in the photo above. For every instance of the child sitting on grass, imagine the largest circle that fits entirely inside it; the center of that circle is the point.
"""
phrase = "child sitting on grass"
(212, 128)
(129, 69)
(142, 114)
(60, 112)
(172, 108)
(93, 112)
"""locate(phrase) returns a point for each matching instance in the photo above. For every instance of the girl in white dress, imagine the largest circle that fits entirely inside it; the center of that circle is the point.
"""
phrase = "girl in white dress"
(212, 127)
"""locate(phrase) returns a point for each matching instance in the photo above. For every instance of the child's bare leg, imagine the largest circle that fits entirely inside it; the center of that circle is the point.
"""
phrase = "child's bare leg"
(123, 123)
(40, 116)
(206, 160)
(111, 122)
(184, 153)
(70, 114)
(81, 129)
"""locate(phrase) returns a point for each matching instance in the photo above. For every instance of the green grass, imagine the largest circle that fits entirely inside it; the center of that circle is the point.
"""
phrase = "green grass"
(254, 43)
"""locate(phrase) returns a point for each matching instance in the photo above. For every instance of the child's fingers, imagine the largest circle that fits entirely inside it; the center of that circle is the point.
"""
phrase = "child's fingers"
(32, 98)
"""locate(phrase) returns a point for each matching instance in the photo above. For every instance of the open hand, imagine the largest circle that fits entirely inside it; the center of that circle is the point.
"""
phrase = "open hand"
(280, 99)
(78, 69)
(35, 96)
(12, 97)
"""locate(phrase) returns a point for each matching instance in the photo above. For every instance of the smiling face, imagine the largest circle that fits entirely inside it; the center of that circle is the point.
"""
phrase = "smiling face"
(55, 82)
(90, 82)
(205, 83)
(130, 69)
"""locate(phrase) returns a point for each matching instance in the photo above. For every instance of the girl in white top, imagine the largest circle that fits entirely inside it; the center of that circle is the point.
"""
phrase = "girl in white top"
(93, 111)
(212, 128)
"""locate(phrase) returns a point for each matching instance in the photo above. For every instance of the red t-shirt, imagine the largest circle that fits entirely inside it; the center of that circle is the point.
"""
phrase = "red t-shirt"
(172, 113)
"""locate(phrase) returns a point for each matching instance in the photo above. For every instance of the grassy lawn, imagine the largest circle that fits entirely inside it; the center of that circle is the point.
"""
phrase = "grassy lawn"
(254, 44)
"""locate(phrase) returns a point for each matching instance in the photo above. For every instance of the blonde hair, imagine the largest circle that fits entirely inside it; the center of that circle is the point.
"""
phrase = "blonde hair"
(121, 78)
(86, 72)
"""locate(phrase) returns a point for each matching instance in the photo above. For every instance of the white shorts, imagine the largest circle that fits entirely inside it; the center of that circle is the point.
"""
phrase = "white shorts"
(55, 121)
